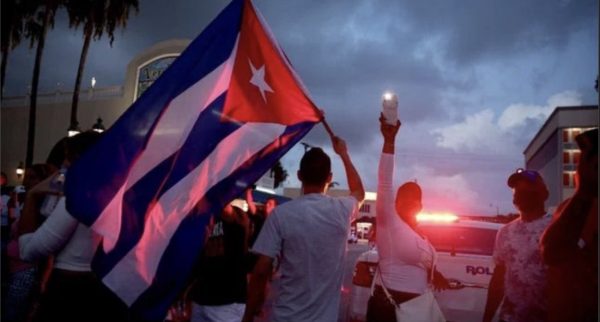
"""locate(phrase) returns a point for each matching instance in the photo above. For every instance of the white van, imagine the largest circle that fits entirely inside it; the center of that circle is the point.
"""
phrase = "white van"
(464, 249)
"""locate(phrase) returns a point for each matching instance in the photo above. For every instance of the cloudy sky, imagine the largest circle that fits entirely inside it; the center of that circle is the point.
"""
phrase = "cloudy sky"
(475, 79)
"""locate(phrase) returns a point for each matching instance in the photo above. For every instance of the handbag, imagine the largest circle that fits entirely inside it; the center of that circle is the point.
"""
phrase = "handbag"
(423, 308)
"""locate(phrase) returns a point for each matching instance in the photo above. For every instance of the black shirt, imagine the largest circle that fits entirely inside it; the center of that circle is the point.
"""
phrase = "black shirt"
(222, 267)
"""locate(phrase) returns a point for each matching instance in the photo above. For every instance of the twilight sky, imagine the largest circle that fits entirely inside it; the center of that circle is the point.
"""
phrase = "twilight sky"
(475, 79)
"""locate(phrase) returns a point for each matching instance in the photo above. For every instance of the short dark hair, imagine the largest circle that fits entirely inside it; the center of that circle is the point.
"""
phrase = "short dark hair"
(40, 170)
(78, 144)
(408, 200)
(409, 191)
(315, 167)
(57, 155)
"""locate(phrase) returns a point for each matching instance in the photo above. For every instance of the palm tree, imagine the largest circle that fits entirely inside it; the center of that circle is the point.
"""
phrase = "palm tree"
(11, 32)
(97, 17)
(39, 18)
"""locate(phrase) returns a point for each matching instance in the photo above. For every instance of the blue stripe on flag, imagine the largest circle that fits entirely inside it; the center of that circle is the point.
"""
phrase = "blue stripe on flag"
(207, 132)
(123, 141)
(172, 277)
(178, 259)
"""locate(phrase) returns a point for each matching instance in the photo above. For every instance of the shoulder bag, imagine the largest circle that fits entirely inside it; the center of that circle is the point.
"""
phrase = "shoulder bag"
(423, 308)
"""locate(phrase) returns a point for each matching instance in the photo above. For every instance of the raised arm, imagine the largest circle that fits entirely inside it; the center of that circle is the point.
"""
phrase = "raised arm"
(51, 237)
(257, 287)
(250, 201)
(354, 182)
(389, 133)
(385, 195)
(561, 238)
(29, 221)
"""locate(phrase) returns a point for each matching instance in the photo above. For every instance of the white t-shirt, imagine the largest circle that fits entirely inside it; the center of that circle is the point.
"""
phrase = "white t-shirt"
(525, 280)
(310, 233)
(405, 258)
(73, 243)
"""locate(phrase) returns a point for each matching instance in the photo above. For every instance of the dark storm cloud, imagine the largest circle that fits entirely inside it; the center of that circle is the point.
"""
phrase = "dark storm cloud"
(347, 59)
(470, 30)
(476, 30)
(335, 45)
(357, 49)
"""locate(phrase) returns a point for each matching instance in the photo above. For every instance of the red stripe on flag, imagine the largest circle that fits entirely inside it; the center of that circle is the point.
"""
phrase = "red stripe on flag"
(263, 87)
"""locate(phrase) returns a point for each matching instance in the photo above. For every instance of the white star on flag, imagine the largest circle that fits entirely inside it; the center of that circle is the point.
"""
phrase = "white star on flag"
(258, 79)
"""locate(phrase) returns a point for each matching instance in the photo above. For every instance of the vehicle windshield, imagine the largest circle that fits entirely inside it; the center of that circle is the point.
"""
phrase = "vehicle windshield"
(467, 240)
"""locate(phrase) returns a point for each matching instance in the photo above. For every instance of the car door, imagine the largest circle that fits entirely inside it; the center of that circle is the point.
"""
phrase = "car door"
(465, 259)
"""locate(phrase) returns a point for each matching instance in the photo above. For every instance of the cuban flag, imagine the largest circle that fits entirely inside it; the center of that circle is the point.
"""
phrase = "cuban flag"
(216, 120)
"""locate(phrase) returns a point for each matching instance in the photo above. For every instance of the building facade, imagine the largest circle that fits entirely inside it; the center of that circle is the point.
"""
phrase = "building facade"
(553, 151)
(53, 109)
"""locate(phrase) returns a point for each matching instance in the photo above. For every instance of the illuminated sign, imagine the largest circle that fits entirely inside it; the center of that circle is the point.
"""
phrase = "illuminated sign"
(151, 72)
(436, 217)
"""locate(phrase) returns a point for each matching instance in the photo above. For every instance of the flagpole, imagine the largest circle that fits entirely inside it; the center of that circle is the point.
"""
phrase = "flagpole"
(327, 127)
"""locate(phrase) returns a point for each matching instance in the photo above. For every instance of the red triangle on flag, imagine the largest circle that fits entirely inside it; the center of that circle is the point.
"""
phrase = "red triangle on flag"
(263, 86)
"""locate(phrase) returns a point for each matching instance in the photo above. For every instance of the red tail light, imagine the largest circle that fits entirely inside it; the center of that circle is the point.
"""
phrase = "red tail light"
(363, 274)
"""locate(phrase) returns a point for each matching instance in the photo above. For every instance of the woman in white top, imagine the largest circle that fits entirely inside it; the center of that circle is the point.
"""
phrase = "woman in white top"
(72, 293)
(405, 256)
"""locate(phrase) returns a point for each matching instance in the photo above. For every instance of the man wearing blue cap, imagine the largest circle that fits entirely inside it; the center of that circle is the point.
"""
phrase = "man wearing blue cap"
(520, 273)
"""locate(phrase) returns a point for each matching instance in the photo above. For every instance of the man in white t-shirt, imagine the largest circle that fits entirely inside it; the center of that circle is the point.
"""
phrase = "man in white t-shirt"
(310, 235)
(520, 273)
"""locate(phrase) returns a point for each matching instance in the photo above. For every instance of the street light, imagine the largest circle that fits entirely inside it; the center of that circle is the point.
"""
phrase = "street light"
(91, 91)
(98, 127)
(496, 205)
(73, 129)
(20, 171)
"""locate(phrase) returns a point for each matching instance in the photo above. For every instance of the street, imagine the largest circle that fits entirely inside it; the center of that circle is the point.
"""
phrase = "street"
(354, 250)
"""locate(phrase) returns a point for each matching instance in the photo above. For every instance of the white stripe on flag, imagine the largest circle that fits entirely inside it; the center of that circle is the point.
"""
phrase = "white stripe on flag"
(135, 272)
(169, 135)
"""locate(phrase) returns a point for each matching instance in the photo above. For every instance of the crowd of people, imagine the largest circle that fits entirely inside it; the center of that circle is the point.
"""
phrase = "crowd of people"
(546, 265)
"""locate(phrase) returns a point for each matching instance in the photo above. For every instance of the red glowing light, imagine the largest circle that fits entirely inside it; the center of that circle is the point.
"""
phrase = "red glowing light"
(436, 217)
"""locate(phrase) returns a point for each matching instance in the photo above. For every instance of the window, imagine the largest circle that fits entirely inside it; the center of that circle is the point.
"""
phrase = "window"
(365, 208)
(566, 158)
(567, 179)
(566, 136)
(576, 157)
(466, 240)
